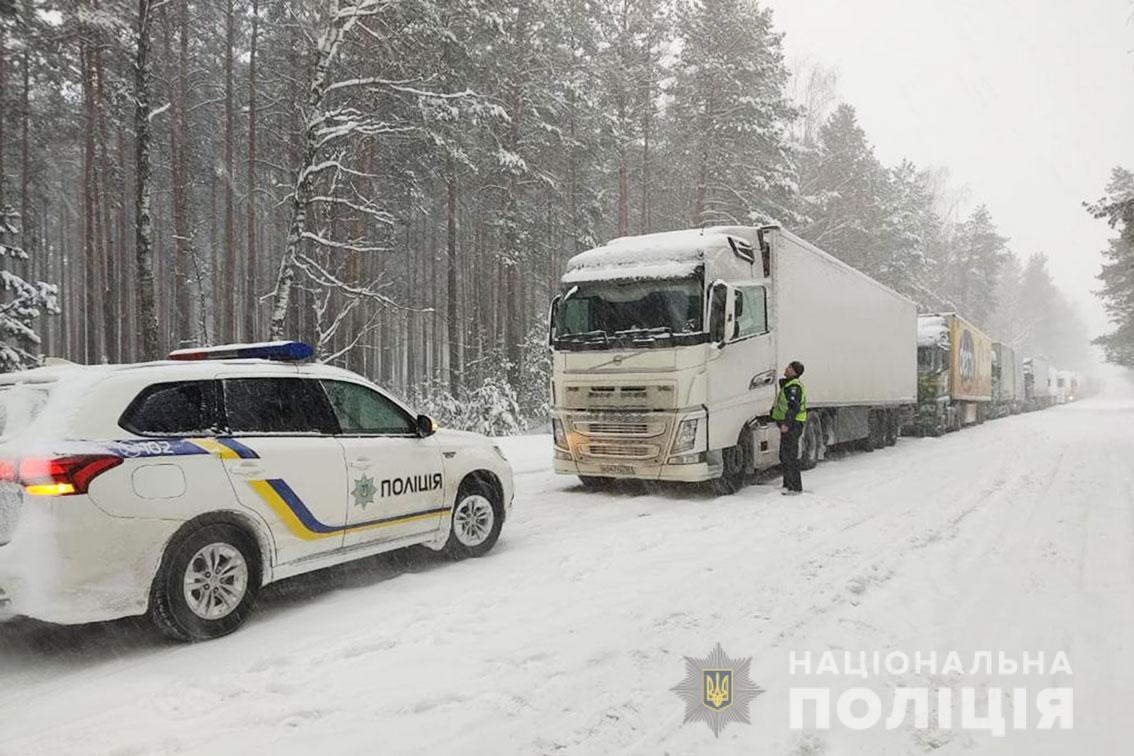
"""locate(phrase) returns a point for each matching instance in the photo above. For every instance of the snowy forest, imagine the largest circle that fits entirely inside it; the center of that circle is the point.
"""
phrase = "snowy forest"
(400, 182)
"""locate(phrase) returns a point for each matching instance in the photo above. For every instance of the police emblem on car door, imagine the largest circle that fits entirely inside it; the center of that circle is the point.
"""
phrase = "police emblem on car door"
(396, 482)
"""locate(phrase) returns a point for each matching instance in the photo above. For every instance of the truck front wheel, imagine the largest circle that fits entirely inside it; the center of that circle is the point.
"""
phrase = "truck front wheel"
(735, 472)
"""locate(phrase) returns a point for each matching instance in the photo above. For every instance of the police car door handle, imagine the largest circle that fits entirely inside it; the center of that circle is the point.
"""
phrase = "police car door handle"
(247, 469)
(362, 462)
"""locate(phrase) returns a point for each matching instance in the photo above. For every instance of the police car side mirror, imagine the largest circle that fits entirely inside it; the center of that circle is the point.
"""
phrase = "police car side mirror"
(426, 426)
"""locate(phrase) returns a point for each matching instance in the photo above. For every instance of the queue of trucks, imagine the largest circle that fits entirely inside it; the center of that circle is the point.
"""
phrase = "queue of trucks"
(667, 349)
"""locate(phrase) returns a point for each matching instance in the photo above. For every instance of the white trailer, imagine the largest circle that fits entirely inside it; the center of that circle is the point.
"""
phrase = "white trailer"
(667, 349)
(1007, 380)
(1038, 383)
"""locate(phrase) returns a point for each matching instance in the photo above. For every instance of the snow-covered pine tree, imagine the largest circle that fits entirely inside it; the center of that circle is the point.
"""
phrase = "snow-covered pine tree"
(906, 233)
(1117, 275)
(22, 303)
(729, 115)
(844, 189)
(629, 41)
(976, 256)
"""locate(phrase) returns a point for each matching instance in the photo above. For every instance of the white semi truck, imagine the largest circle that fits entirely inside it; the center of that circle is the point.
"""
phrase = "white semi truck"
(667, 349)
(1038, 383)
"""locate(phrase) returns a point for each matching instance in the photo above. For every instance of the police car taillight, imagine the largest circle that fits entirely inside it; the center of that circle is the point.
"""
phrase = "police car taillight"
(63, 476)
(283, 351)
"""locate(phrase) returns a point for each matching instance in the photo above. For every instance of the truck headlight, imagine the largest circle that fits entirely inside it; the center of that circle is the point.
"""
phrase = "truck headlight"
(686, 436)
(559, 434)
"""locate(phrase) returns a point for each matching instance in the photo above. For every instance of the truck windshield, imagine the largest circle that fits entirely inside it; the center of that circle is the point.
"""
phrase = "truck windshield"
(642, 310)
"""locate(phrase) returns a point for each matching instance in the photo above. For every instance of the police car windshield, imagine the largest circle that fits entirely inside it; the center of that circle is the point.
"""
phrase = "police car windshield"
(20, 405)
(640, 310)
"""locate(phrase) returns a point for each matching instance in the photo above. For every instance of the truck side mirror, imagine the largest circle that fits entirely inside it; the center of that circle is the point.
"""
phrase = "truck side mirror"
(721, 314)
(553, 320)
(738, 311)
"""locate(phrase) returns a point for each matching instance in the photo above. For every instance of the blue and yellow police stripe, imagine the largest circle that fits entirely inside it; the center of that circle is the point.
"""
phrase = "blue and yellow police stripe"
(291, 510)
(276, 493)
(225, 448)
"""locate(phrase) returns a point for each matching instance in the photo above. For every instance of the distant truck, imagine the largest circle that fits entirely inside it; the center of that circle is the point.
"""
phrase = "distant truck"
(667, 349)
(954, 367)
(1066, 386)
(1007, 381)
(1038, 389)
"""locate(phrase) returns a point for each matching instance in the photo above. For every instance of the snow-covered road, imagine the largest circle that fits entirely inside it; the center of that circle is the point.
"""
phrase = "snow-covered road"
(1014, 536)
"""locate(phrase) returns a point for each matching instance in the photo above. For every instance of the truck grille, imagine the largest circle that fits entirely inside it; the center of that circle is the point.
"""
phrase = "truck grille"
(620, 451)
(616, 428)
(620, 398)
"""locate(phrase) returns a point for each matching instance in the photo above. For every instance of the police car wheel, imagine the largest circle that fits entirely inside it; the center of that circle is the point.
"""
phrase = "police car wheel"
(207, 584)
(477, 519)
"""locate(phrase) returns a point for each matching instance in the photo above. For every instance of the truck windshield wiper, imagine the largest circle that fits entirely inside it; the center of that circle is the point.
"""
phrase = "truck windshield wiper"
(648, 332)
(586, 336)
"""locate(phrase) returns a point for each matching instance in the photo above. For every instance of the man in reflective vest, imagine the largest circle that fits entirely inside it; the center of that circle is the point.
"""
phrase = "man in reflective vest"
(790, 413)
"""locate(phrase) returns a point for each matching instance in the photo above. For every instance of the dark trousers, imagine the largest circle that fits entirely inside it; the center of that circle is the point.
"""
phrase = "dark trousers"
(789, 455)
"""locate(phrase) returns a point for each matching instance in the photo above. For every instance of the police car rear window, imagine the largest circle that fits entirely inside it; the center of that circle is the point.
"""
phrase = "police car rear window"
(277, 406)
(184, 408)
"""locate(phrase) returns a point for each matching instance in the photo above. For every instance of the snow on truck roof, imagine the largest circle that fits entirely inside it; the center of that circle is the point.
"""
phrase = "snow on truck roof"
(932, 330)
(669, 254)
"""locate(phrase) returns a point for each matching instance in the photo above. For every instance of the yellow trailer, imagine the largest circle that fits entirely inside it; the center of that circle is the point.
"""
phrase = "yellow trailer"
(954, 366)
(970, 378)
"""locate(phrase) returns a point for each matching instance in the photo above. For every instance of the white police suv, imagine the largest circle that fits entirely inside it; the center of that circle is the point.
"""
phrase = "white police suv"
(179, 488)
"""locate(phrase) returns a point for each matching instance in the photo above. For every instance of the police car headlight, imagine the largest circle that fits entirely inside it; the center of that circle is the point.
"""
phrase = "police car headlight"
(559, 433)
(686, 436)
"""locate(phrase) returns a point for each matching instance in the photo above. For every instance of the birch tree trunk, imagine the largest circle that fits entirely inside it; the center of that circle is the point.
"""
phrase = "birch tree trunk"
(338, 24)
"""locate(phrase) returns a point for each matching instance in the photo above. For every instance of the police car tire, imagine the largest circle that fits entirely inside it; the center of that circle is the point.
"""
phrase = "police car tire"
(453, 548)
(168, 608)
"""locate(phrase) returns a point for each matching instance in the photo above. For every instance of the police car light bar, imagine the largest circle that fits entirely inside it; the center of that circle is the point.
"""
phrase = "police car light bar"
(283, 351)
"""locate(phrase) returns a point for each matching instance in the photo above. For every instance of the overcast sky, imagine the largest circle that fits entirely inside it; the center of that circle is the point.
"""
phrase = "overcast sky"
(1028, 103)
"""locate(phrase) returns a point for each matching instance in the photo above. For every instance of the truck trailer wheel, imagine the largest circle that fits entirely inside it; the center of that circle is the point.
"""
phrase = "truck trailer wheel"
(875, 431)
(893, 427)
(811, 443)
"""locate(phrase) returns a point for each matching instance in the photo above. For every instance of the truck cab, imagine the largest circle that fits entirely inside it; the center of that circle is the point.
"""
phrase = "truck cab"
(666, 349)
(639, 327)
(955, 366)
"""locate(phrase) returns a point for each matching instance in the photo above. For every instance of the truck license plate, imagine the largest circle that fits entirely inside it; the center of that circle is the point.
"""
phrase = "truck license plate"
(617, 469)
